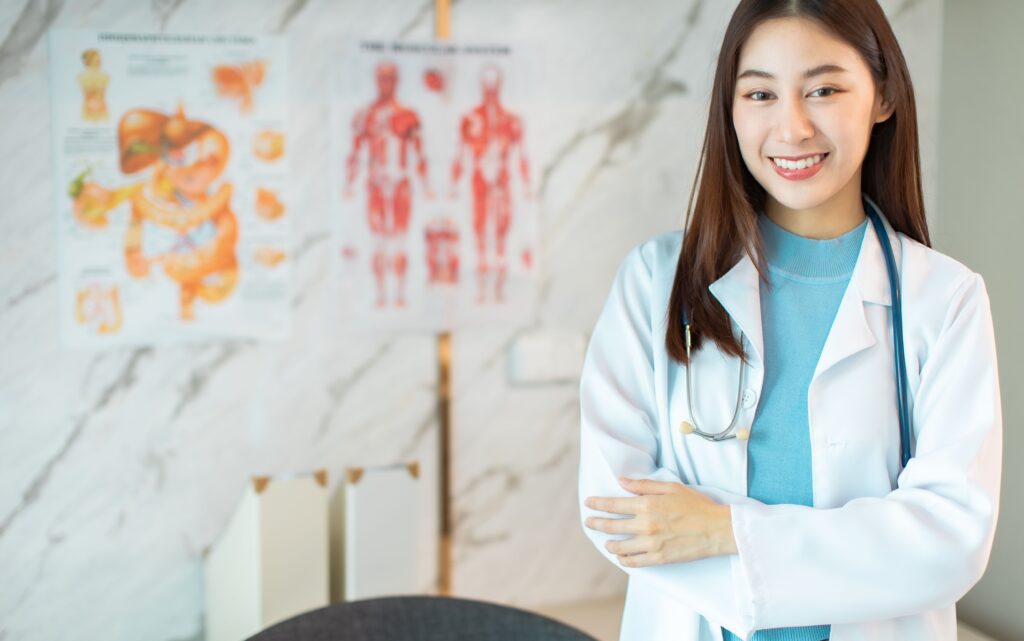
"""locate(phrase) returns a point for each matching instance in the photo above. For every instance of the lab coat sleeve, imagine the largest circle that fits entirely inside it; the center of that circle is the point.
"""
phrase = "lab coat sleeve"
(923, 545)
(619, 438)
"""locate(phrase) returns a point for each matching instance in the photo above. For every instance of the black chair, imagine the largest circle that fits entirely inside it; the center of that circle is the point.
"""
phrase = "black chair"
(419, 618)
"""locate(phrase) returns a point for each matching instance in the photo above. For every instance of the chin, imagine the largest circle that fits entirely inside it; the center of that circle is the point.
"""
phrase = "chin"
(800, 196)
(800, 203)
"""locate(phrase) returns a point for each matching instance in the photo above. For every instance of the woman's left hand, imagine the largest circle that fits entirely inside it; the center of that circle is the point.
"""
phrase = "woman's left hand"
(671, 523)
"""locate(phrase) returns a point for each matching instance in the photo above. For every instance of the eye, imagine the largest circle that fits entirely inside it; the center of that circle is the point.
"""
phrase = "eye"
(754, 93)
(833, 90)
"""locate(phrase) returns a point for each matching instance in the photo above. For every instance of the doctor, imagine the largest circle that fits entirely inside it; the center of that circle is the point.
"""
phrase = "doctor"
(800, 521)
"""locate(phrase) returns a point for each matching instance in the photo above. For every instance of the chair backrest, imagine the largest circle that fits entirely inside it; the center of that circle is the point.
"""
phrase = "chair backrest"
(419, 618)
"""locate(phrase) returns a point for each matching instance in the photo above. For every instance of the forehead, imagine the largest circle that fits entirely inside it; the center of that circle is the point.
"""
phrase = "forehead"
(786, 47)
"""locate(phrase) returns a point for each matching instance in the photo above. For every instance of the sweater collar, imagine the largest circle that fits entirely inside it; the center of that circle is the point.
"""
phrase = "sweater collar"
(738, 292)
(810, 258)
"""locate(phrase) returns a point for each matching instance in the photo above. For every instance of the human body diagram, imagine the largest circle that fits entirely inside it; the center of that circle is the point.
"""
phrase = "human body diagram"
(93, 81)
(490, 134)
(423, 242)
(389, 132)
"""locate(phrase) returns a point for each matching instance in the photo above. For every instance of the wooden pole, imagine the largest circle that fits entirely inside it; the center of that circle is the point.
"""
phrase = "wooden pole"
(442, 25)
(442, 22)
(444, 350)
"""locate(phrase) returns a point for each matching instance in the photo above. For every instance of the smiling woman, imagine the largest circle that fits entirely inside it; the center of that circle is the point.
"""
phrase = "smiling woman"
(810, 516)
(795, 123)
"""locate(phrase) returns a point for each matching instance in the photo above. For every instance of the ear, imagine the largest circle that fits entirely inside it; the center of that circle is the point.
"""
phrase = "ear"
(883, 109)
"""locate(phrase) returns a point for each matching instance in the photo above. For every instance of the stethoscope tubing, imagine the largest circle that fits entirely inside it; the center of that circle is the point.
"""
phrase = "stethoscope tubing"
(896, 313)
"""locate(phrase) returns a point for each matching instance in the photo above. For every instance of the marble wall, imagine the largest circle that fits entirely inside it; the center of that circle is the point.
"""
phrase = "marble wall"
(117, 468)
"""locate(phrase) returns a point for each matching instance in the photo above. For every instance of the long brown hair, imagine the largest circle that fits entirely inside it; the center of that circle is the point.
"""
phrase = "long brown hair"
(724, 220)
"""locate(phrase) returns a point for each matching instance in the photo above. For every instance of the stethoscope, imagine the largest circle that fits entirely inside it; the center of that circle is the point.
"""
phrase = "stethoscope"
(896, 312)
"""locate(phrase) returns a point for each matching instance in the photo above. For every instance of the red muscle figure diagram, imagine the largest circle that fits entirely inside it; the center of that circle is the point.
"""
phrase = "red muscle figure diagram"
(390, 133)
(491, 133)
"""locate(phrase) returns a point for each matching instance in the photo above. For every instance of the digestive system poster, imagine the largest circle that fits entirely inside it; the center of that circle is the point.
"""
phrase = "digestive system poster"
(434, 208)
(170, 172)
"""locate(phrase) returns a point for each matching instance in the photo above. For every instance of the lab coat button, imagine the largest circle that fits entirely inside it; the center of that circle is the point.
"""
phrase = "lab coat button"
(749, 397)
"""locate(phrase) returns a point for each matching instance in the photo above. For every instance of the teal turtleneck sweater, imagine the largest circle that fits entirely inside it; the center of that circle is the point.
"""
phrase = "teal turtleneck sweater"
(808, 278)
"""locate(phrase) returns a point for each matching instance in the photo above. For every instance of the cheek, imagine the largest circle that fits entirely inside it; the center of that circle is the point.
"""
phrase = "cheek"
(749, 135)
(848, 130)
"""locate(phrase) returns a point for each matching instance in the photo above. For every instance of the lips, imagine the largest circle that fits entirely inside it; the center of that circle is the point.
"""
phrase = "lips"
(796, 158)
(799, 174)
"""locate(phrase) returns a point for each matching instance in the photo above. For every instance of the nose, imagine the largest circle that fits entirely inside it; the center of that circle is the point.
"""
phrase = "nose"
(794, 125)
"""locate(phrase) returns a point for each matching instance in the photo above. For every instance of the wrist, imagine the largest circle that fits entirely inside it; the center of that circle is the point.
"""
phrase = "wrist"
(726, 538)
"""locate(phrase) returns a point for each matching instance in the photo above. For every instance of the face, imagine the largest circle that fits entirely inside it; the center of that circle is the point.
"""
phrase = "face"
(780, 111)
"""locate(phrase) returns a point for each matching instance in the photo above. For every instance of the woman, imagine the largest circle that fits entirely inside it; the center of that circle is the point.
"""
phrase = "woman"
(806, 525)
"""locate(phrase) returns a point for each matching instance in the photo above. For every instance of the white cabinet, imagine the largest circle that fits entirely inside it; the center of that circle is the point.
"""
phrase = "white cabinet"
(271, 561)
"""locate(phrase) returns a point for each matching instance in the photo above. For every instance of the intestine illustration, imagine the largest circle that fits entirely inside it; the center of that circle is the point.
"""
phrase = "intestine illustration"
(99, 308)
(179, 222)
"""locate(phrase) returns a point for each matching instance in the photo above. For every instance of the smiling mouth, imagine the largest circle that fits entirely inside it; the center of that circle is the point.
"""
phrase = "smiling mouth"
(796, 163)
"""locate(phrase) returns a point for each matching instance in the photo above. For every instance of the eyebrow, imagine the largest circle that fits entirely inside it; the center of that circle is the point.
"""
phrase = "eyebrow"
(810, 73)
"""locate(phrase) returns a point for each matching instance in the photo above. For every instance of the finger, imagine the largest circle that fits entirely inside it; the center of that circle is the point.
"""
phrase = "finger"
(613, 504)
(630, 546)
(612, 526)
(639, 560)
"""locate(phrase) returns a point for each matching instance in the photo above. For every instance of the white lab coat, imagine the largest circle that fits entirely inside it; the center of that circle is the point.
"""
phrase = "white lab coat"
(882, 555)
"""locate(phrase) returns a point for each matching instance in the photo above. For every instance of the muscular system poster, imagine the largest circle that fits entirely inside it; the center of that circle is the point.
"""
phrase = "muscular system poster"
(434, 204)
(170, 173)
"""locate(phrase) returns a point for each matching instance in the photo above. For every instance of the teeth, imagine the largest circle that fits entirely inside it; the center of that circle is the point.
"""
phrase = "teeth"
(803, 163)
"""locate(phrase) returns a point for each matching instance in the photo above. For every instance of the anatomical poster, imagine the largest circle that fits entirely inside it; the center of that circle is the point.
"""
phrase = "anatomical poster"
(170, 178)
(435, 180)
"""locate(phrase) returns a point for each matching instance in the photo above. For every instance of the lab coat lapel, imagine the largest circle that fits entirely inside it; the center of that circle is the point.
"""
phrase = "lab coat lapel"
(869, 283)
(739, 293)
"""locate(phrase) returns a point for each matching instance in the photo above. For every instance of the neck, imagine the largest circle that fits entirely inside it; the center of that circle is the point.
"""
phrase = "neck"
(830, 219)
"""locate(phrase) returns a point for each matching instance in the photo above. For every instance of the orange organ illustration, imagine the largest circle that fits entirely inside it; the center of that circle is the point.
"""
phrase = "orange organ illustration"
(268, 145)
(491, 133)
(239, 80)
(178, 222)
(91, 202)
(99, 307)
(268, 205)
(93, 82)
(442, 238)
(389, 131)
(269, 256)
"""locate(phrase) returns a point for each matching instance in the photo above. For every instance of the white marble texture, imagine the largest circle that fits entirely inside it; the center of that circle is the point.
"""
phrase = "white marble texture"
(118, 468)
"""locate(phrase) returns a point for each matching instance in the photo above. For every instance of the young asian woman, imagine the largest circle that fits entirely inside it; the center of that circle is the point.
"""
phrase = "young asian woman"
(805, 526)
